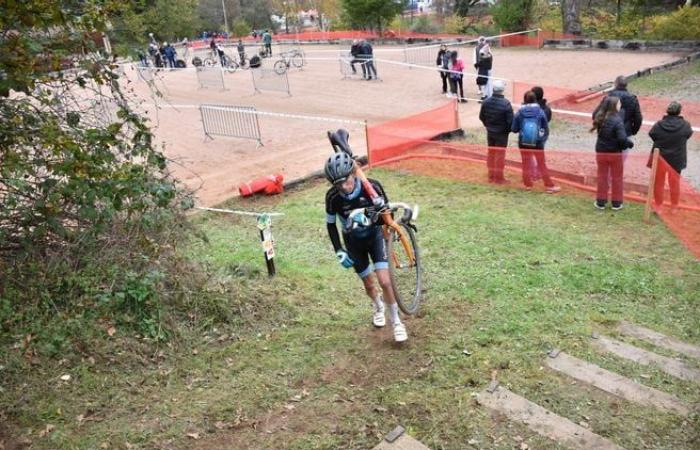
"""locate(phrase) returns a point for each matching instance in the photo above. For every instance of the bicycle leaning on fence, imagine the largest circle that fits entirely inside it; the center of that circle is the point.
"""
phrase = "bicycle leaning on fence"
(293, 57)
(400, 235)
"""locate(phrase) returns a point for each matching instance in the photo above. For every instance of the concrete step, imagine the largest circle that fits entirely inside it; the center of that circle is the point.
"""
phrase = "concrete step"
(615, 384)
(669, 365)
(542, 421)
(399, 440)
(658, 339)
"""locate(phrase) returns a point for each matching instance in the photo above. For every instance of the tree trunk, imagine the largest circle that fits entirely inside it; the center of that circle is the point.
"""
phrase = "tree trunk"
(570, 10)
(619, 10)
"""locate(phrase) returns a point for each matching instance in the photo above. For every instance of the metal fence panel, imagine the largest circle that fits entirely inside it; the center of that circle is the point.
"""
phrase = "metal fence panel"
(268, 80)
(232, 121)
(211, 77)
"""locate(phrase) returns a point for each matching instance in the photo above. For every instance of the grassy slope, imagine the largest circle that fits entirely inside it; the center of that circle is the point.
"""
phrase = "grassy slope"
(510, 275)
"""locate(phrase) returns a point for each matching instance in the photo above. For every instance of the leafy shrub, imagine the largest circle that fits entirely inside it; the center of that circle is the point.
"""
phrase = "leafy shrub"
(682, 24)
(513, 15)
(454, 24)
(603, 24)
(423, 24)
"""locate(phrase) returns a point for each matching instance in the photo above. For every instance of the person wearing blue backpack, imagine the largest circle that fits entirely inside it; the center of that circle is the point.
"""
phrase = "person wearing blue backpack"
(530, 122)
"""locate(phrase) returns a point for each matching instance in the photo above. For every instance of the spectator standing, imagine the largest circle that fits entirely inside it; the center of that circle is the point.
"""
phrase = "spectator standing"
(539, 94)
(480, 43)
(497, 116)
(531, 125)
(483, 80)
(612, 141)
(241, 52)
(629, 106)
(267, 42)
(442, 62)
(170, 54)
(355, 51)
(142, 58)
(670, 136)
(456, 68)
(222, 55)
(366, 54)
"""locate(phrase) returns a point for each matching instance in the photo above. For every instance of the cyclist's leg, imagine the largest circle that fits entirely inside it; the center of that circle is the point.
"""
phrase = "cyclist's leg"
(380, 256)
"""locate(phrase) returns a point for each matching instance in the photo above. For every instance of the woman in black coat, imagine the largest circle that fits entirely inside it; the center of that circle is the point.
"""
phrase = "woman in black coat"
(670, 136)
(612, 141)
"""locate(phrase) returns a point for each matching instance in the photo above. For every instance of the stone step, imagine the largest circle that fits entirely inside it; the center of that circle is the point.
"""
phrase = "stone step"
(658, 339)
(399, 440)
(543, 421)
(669, 365)
(615, 384)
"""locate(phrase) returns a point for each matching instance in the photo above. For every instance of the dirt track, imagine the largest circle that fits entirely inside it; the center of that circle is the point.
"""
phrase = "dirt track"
(296, 147)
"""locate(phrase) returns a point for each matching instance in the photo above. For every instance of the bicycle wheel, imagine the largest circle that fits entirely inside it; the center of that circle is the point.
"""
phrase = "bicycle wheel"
(231, 66)
(297, 61)
(404, 270)
(209, 62)
(280, 67)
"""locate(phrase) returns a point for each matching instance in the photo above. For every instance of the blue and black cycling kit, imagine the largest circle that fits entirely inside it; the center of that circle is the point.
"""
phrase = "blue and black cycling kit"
(362, 242)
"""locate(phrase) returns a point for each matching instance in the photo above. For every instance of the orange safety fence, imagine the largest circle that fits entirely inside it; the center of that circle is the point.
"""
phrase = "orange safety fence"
(533, 39)
(625, 177)
(583, 101)
(390, 139)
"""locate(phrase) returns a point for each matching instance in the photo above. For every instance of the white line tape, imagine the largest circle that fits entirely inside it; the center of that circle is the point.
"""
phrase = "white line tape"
(241, 213)
(268, 113)
(588, 115)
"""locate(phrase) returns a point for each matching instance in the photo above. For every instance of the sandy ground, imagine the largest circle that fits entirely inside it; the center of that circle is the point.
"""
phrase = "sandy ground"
(296, 147)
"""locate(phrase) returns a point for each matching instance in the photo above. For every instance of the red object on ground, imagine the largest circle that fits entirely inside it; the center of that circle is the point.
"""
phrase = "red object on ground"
(271, 184)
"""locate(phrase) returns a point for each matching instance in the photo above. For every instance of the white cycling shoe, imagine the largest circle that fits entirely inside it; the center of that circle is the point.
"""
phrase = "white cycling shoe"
(400, 334)
(378, 318)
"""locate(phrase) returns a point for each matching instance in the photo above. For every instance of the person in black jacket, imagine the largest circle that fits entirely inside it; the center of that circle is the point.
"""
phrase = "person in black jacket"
(629, 106)
(670, 136)
(497, 116)
(366, 55)
(612, 141)
(442, 62)
(483, 81)
(355, 53)
(539, 94)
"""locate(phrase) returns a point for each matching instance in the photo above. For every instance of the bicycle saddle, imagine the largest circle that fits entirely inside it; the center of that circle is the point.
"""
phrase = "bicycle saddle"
(339, 141)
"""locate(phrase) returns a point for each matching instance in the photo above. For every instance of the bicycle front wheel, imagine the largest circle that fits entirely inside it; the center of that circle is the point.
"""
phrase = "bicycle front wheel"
(280, 67)
(209, 62)
(231, 66)
(405, 268)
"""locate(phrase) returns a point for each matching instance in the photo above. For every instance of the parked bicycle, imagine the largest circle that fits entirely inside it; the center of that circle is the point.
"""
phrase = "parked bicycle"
(228, 63)
(293, 57)
(402, 243)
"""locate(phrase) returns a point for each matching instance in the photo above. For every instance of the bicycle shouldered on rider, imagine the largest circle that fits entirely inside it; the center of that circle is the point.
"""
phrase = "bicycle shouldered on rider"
(362, 235)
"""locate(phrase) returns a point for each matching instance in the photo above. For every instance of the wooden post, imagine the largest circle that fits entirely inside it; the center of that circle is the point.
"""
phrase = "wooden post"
(369, 159)
(456, 114)
(652, 181)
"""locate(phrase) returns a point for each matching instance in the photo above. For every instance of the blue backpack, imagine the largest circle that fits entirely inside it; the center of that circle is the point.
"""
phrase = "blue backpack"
(530, 132)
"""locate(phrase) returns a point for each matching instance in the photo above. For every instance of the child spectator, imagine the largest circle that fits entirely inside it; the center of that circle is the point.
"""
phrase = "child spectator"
(456, 69)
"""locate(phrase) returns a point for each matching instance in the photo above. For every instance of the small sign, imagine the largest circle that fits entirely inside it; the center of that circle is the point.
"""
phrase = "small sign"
(268, 242)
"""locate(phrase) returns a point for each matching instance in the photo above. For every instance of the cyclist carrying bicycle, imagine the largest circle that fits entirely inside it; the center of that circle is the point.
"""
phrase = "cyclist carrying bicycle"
(363, 237)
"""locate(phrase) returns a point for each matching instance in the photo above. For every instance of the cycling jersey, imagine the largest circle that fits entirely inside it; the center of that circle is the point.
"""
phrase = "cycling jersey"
(362, 243)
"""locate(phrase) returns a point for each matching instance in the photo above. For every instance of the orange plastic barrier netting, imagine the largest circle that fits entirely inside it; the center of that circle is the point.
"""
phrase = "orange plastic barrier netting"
(390, 139)
(576, 172)
(577, 101)
(533, 39)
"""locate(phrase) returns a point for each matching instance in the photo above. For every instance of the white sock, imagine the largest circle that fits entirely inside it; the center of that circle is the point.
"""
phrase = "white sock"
(394, 313)
(379, 303)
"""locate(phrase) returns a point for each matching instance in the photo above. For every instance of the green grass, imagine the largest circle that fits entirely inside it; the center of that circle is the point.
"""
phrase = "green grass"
(679, 84)
(510, 275)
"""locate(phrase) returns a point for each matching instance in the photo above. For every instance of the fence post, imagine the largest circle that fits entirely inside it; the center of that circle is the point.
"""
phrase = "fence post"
(456, 113)
(369, 153)
(652, 182)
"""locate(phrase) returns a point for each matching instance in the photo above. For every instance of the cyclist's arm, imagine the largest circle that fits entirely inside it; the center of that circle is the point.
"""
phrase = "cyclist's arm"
(333, 233)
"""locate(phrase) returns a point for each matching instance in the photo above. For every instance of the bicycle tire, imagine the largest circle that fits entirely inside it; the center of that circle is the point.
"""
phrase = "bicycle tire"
(280, 67)
(231, 66)
(298, 61)
(406, 279)
(209, 62)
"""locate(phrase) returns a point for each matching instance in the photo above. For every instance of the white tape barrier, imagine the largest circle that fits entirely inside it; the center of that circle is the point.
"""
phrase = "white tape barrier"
(240, 213)
(270, 114)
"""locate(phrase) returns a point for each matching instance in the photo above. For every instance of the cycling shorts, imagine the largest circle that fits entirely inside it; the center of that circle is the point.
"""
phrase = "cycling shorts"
(361, 249)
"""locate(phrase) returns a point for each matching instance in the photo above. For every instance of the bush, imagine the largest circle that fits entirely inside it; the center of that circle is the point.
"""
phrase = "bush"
(423, 24)
(513, 15)
(241, 27)
(454, 24)
(603, 24)
(682, 24)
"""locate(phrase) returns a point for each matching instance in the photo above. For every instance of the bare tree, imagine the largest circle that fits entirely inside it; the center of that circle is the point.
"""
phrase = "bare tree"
(570, 11)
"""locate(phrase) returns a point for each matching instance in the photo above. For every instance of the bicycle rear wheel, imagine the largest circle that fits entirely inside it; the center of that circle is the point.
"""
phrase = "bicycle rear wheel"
(298, 61)
(404, 270)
